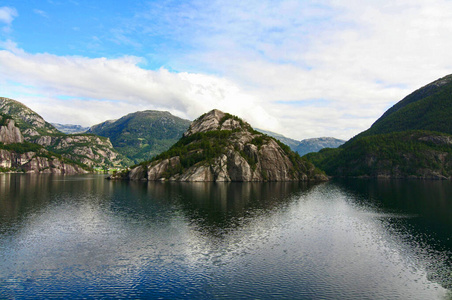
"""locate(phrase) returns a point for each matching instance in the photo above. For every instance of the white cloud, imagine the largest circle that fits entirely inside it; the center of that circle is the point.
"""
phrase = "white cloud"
(361, 56)
(7, 15)
(301, 68)
(114, 87)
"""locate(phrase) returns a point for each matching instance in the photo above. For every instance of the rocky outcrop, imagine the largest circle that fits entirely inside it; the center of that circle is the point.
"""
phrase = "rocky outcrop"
(14, 155)
(87, 149)
(222, 147)
(25, 117)
(35, 162)
(90, 150)
(9, 133)
(214, 120)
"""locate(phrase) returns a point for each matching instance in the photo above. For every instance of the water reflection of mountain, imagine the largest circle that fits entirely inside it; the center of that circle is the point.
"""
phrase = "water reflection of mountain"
(427, 222)
(21, 194)
(79, 234)
(429, 201)
(217, 206)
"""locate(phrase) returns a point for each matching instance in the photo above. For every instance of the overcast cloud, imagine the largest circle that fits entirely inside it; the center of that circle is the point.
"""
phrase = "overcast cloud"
(303, 69)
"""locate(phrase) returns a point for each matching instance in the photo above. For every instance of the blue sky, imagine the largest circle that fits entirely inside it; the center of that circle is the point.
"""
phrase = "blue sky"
(300, 68)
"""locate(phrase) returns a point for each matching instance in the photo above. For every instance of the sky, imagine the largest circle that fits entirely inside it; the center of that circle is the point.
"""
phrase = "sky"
(303, 69)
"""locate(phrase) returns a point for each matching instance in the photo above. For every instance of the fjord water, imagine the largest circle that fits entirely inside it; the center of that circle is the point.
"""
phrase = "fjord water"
(86, 237)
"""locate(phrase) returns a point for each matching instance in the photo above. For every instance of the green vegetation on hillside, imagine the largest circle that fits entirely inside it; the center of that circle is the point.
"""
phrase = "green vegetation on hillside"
(412, 139)
(4, 118)
(39, 151)
(429, 108)
(201, 146)
(398, 154)
(25, 118)
(21, 148)
(76, 148)
(142, 135)
(207, 146)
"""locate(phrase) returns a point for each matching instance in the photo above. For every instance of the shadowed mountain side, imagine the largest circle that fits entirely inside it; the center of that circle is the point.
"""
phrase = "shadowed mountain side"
(411, 140)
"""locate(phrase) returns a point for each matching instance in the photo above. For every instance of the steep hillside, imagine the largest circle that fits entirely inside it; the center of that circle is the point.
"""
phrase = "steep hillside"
(411, 140)
(87, 149)
(407, 154)
(16, 154)
(144, 134)
(30, 122)
(428, 108)
(221, 147)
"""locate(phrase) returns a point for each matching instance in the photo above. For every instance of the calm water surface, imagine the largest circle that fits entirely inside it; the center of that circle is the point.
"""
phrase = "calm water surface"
(86, 237)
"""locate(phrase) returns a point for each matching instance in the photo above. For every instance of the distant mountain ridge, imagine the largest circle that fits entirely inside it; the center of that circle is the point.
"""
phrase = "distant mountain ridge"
(70, 128)
(307, 145)
(144, 134)
(411, 140)
(317, 144)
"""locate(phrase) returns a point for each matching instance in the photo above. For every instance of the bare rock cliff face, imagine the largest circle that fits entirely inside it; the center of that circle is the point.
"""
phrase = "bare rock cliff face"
(39, 161)
(221, 147)
(90, 150)
(9, 133)
(25, 115)
(32, 162)
(211, 121)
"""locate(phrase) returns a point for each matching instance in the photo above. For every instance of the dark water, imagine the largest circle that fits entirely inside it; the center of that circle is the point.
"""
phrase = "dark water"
(86, 237)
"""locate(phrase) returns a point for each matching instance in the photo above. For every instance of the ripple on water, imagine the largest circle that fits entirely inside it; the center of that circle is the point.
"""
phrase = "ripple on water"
(111, 240)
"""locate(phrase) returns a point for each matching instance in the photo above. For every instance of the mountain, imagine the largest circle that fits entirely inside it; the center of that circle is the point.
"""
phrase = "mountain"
(305, 146)
(317, 144)
(69, 128)
(293, 144)
(41, 138)
(144, 134)
(428, 108)
(411, 140)
(16, 154)
(220, 147)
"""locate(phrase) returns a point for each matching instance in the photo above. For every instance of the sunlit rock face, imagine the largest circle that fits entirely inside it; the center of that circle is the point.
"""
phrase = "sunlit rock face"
(27, 132)
(9, 133)
(222, 147)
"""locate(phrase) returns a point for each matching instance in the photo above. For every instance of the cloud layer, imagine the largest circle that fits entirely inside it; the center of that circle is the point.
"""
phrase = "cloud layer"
(304, 69)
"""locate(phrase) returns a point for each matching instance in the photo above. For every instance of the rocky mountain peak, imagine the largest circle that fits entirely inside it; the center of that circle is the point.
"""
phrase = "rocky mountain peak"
(25, 136)
(221, 147)
(216, 120)
(26, 118)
